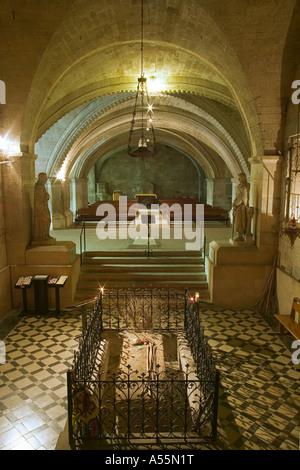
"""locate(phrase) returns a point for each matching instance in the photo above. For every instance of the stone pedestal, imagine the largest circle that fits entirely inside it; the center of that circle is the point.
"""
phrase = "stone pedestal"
(55, 260)
(237, 275)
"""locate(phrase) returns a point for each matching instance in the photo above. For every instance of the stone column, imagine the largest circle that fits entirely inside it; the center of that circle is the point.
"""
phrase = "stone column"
(234, 182)
(209, 191)
(66, 193)
(238, 274)
(57, 204)
(18, 188)
(81, 192)
(92, 185)
(216, 192)
(62, 216)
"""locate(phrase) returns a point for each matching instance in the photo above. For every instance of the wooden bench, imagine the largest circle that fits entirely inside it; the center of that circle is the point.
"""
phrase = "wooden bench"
(288, 322)
(213, 214)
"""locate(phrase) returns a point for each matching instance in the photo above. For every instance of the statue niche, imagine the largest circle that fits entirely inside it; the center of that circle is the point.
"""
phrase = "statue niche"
(41, 217)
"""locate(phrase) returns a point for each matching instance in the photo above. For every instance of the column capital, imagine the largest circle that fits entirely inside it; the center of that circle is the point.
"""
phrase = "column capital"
(17, 156)
(255, 160)
(272, 159)
(266, 158)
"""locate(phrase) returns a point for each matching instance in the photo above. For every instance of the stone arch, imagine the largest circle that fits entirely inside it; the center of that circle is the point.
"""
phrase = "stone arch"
(96, 123)
(222, 76)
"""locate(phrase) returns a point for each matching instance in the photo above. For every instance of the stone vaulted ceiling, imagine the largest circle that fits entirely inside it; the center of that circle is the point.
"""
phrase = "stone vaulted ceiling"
(71, 69)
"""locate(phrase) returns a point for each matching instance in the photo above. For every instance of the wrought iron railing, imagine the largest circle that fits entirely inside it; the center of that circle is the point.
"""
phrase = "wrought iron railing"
(147, 309)
(153, 404)
(82, 242)
(86, 353)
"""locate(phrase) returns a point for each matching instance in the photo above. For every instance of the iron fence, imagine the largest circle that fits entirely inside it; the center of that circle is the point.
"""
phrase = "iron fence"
(129, 404)
(147, 309)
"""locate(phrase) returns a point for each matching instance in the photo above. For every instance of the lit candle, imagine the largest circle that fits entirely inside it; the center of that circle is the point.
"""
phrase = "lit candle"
(197, 297)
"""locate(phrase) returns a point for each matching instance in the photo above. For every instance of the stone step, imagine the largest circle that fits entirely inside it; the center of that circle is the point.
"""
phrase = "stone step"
(141, 267)
(150, 261)
(141, 253)
(131, 268)
(86, 281)
(87, 294)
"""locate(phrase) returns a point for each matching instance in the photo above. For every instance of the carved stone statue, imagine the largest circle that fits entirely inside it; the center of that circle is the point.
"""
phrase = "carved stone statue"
(240, 209)
(42, 218)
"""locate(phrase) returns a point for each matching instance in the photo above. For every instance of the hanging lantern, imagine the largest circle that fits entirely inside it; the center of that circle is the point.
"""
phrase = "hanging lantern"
(145, 145)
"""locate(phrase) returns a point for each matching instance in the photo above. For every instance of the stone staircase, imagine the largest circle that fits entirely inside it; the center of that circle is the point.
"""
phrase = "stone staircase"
(124, 269)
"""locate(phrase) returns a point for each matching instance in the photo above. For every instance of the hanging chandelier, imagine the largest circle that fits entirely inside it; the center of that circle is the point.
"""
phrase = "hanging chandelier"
(145, 144)
(291, 227)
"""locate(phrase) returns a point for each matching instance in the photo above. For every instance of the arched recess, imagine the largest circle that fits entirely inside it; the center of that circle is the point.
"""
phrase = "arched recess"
(202, 62)
(185, 145)
(108, 119)
(113, 109)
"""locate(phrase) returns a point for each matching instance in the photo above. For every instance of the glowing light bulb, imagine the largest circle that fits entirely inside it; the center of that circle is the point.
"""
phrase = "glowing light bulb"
(8, 146)
(155, 84)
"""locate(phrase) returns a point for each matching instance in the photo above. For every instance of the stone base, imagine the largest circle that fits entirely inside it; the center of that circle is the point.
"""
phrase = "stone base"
(59, 253)
(236, 275)
(52, 260)
(248, 241)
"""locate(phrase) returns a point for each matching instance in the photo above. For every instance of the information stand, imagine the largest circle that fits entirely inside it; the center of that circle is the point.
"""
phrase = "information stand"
(57, 282)
(24, 283)
(40, 283)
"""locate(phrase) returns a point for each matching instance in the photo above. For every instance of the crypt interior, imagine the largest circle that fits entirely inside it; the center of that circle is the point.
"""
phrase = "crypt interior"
(221, 77)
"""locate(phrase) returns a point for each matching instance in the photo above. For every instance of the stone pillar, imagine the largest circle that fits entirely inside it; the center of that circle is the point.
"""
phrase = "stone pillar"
(234, 183)
(18, 188)
(62, 216)
(66, 192)
(5, 289)
(217, 194)
(92, 185)
(57, 205)
(81, 192)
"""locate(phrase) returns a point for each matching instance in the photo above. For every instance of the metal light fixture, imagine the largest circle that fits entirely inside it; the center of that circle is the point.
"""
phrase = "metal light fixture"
(145, 146)
(291, 227)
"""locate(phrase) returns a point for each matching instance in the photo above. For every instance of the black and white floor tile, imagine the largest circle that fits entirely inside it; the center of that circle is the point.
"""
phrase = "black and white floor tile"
(259, 391)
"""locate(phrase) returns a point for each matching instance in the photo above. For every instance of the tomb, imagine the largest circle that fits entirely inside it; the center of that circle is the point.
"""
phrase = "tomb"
(142, 380)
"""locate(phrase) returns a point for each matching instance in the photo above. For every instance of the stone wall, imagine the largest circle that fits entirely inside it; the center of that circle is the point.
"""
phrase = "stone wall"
(170, 173)
(5, 291)
(288, 272)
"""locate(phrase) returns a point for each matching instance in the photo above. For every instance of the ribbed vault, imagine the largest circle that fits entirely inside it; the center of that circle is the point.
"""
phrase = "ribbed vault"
(103, 125)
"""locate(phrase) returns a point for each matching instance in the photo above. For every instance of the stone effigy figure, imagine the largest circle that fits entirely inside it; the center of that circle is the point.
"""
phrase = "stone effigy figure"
(42, 218)
(240, 208)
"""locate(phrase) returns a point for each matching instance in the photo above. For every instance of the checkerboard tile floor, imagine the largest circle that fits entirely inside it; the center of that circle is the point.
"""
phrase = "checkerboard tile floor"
(260, 401)
(259, 389)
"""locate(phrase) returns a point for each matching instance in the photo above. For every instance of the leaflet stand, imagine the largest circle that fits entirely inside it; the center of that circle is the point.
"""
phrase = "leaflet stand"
(24, 283)
(57, 282)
